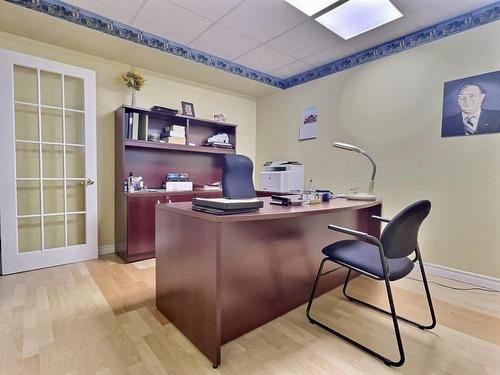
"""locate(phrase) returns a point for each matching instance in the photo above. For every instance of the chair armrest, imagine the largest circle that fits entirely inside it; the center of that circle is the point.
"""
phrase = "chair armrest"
(380, 218)
(356, 233)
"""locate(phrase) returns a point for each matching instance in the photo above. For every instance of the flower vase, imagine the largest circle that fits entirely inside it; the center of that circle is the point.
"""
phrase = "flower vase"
(133, 104)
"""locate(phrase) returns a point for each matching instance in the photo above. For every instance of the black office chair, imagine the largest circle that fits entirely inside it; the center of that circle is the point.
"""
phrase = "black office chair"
(385, 259)
(237, 177)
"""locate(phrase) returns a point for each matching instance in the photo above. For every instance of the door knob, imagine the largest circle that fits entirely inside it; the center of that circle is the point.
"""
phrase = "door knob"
(90, 182)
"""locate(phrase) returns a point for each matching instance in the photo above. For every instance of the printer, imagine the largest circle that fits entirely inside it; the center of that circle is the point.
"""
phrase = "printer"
(282, 176)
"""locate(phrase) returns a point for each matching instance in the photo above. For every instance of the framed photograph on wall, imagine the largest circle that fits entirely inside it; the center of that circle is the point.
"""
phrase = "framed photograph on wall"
(187, 109)
(471, 105)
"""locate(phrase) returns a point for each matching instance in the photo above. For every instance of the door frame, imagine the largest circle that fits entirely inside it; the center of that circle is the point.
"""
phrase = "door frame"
(12, 261)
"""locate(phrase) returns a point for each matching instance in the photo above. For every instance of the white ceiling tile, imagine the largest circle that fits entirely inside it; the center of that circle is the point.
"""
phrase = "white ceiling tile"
(327, 56)
(224, 42)
(170, 21)
(213, 9)
(305, 39)
(408, 7)
(384, 33)
(291, 69)
(446, 9)
(263, 19)
(265, 59)
(109, 8)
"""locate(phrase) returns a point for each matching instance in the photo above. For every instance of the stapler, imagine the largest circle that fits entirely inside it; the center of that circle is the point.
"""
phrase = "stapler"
(286, 200)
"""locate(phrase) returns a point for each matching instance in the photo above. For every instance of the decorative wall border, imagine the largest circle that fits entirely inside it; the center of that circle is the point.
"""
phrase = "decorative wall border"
(71, 13)
(97, 22)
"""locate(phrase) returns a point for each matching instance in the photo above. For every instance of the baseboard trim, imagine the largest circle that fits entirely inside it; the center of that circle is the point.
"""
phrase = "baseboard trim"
(463, 276)
(106, 249)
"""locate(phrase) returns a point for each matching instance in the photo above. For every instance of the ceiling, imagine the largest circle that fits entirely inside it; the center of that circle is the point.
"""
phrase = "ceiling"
(270, 36)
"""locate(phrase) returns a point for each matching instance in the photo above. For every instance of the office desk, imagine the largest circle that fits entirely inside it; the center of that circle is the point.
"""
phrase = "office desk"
(218, 277)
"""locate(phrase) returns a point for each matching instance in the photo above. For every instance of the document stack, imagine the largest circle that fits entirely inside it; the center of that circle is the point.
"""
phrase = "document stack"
(174, 134)
(224, 206)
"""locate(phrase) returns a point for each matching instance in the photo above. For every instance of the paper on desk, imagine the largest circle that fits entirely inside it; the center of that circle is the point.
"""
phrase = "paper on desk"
(226, 200)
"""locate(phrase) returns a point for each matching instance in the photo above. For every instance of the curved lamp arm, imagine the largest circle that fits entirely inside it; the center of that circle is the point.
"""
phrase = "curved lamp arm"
(348, 147)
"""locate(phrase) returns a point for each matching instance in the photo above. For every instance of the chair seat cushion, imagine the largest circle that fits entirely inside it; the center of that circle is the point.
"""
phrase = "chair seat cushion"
(365, 257)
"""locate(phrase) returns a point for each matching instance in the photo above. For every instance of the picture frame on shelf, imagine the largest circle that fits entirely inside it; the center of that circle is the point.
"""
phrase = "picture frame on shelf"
(220, 117)
(187, 109)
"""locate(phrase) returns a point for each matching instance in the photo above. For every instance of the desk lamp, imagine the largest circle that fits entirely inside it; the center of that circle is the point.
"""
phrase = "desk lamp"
(360, 196)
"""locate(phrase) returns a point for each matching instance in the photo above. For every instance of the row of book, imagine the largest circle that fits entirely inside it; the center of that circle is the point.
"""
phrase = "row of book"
(137, 128)
(174, 134)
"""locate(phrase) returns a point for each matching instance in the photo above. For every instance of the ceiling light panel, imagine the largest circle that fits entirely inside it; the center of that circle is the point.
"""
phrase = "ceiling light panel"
(358, 16)
(311, 7)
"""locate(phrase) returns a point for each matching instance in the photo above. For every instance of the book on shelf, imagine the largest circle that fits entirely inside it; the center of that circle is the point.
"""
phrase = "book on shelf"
(143, 127)
(134, 126)
(176, 128)
(176, 140)
(166, 134)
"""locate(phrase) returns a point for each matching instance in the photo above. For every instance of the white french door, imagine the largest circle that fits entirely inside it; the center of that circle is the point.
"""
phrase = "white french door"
(48, 198)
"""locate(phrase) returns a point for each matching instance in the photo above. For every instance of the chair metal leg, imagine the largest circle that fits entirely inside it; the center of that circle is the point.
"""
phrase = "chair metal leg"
(313, 292)
(427, 292)
(386, 360)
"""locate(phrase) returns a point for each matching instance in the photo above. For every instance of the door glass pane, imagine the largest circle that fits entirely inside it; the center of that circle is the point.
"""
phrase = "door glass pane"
(51, 88)
(53, 197)
(75, 128)
(53, 227)
(29, 234)
(25, 84)
(52, 157)
(27, 160)
(28, 197)
(75, 162)
(74, 93)
(26, 122)
(76, 229)
(75, 196)
(52, 125)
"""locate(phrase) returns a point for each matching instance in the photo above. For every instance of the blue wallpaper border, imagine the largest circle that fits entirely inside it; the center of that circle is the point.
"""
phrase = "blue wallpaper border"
(71, 13)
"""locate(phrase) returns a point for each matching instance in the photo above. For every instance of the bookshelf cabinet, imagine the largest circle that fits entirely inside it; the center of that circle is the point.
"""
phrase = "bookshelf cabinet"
(135, 212)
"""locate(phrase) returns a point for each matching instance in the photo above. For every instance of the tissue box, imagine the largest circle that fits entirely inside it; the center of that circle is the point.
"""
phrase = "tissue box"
(178, 185)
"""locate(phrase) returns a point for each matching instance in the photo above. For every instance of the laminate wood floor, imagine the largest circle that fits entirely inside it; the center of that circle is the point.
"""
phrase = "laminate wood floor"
(99, 317)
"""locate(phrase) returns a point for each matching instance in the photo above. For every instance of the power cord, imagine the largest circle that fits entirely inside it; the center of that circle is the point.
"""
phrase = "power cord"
(455, 288)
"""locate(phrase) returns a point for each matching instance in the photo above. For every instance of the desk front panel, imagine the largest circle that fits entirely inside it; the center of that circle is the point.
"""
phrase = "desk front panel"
(268, 266)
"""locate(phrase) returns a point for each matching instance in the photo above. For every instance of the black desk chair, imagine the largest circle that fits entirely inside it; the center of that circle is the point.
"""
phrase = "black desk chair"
(385, 259)
(237, 177)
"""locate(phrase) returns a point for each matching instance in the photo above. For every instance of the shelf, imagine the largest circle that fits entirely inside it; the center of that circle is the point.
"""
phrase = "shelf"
(162, 115)
(174, 147)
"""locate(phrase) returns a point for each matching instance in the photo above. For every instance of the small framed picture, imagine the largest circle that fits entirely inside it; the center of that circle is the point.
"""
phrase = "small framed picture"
(187, 109)
(220, 117)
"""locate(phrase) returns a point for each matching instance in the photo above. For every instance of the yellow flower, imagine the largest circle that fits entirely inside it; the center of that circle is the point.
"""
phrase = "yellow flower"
(134, 79)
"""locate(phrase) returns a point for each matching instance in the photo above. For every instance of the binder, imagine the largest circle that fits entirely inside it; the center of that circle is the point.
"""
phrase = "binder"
(143, 127)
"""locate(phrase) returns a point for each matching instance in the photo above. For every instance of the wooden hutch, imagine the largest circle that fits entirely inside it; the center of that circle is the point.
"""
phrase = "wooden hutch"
(135, 212)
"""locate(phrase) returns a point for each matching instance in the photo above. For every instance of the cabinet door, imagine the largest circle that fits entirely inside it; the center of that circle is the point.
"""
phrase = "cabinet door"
(179, 197)
(141, 223)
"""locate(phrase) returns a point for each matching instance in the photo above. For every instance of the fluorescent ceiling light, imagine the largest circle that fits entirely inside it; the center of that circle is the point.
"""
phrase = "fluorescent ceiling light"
(311, 7)
(358, 16)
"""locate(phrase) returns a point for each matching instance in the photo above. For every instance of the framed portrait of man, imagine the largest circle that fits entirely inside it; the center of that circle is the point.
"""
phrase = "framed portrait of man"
(471, 106)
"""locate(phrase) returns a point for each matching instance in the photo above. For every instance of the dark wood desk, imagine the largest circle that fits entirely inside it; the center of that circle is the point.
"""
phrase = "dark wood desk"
(218, 277)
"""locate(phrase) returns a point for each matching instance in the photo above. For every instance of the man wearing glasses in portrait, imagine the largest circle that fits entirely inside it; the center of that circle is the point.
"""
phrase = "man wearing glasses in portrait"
(472, 118)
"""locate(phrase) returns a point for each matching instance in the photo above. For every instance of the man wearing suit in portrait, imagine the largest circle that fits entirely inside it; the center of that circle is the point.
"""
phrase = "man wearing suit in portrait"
(472, 118)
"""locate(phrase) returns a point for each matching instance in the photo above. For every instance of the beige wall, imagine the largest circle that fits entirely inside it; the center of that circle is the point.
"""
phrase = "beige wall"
(159, 90)
(392, 108)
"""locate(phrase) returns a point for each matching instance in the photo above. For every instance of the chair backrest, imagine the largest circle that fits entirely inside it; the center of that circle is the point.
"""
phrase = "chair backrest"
(237, 177)
(399, 237)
